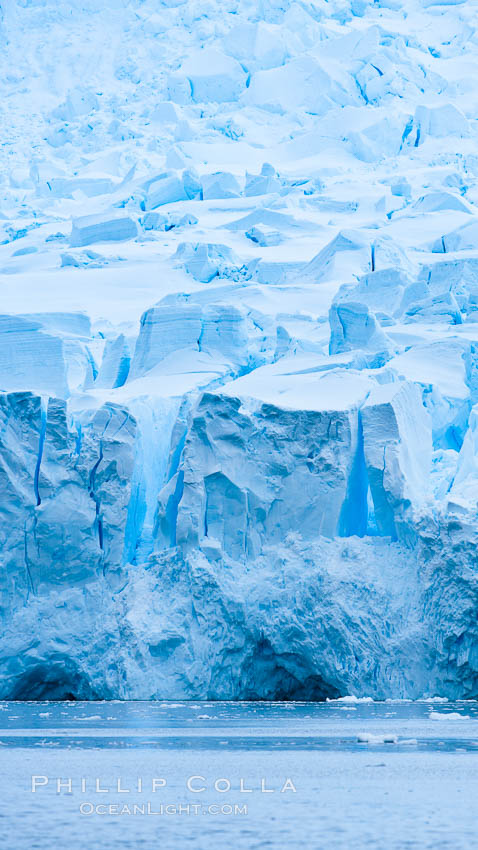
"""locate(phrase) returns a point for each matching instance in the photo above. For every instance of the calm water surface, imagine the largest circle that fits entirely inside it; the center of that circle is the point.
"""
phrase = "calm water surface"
(242, 775)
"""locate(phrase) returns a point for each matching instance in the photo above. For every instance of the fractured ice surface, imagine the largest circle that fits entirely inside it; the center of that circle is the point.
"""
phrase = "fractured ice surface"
(101, 228)
(239, 349)
(206, 75)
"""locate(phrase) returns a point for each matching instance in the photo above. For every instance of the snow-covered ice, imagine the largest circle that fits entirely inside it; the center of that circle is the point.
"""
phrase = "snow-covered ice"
(239, 349)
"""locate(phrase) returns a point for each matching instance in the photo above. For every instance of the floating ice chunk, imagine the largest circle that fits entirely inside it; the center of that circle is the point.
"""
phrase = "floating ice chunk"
(351, 698)
(221, 184)
(370, 738)
(207, 75)
(448, 715)
(436, 699)
(105, 227)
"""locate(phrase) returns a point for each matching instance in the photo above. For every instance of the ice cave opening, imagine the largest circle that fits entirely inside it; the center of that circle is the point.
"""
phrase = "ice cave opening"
(53, 680)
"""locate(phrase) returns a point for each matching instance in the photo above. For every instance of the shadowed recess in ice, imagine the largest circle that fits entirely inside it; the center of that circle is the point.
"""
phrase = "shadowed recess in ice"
(238, 349)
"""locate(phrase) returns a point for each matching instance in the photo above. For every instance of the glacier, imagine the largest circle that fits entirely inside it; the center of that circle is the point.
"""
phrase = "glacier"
(239, 349)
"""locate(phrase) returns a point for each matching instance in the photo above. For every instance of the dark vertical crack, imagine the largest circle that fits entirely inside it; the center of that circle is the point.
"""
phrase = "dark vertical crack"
(98, 524)
(41, 444)
(205, 516)
(30, 585)
(94, 497)
(199, 343)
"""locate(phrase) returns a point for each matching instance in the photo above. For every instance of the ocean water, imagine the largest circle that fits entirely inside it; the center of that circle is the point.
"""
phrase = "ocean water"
(241, 775)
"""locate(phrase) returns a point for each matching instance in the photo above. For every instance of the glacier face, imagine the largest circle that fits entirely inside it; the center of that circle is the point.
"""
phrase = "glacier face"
(238, 376)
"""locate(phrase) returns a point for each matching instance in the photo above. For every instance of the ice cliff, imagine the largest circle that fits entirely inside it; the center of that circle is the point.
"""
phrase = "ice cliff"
(238, 349)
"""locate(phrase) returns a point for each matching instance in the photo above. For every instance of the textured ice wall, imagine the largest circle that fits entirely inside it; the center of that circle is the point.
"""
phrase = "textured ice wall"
(238, 349)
